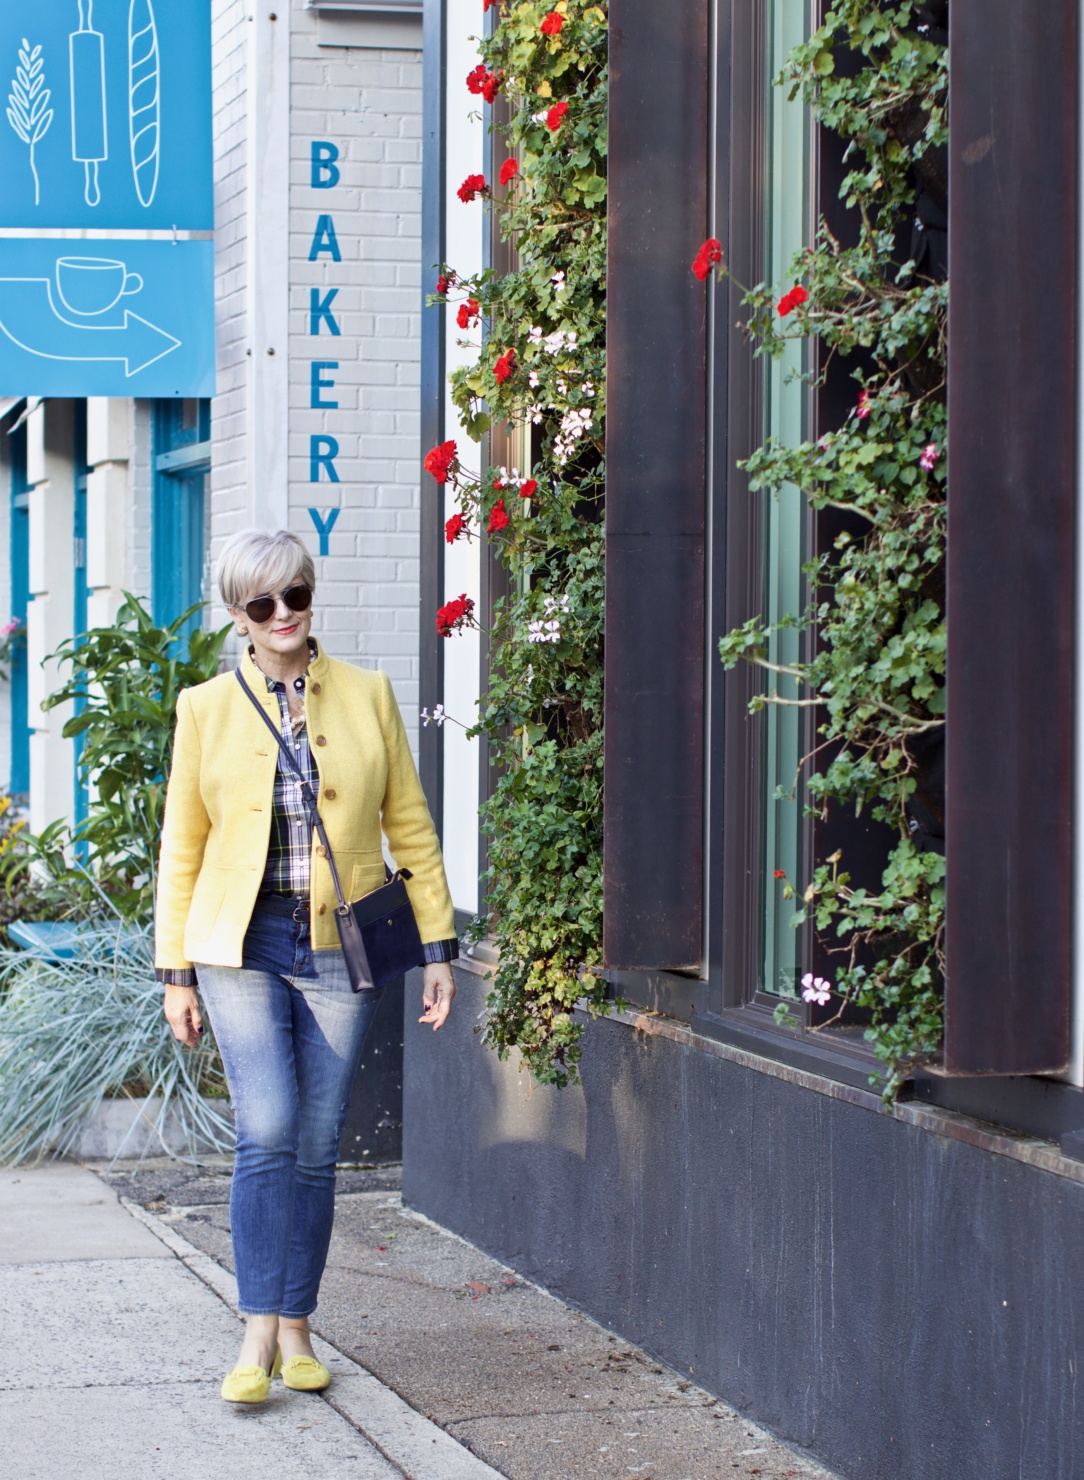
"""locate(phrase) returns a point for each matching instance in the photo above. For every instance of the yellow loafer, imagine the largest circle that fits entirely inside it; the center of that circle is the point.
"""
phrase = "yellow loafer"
(305, 1375)
(250, 1384)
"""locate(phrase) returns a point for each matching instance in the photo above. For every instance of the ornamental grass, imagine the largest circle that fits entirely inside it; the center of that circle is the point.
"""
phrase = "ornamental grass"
(76, 1032)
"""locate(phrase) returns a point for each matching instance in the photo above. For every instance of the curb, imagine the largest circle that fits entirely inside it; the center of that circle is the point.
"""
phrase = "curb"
(418, 1448)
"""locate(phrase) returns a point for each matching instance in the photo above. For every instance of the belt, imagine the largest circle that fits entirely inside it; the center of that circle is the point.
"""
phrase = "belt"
(292, 906)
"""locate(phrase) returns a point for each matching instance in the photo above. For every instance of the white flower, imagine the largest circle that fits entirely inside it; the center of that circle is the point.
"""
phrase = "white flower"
(558, 281)
(543, 631)
(535, 413)
(816, 989)
(438, 716)
(532, 380)
(535, 336)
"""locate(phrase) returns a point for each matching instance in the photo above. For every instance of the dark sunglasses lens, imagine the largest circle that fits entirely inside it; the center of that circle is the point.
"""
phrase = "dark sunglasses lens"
(261, 609)
(297, 598)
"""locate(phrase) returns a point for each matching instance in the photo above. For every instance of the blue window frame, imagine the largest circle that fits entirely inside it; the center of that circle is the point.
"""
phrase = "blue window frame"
(19, 780)
(182, 461)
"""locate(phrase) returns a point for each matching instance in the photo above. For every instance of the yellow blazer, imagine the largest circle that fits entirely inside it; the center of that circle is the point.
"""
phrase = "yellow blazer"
(218, 811)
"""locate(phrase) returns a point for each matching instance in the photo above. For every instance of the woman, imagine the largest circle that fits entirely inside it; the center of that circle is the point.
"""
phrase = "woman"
(246, 910)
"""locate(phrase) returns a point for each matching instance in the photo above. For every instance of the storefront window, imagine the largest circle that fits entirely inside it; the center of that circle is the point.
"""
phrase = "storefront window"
(786, 417)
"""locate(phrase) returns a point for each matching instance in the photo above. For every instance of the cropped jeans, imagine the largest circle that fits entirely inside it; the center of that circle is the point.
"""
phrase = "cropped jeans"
(290, 1031)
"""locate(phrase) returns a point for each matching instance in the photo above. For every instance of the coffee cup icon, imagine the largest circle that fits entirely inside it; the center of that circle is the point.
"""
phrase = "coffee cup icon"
(93, 285)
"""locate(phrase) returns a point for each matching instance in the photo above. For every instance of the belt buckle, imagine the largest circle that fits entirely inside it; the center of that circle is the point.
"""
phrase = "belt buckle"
(300, 911)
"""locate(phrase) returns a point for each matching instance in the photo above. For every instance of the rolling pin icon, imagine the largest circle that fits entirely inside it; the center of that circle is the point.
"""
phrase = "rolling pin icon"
(89, 141)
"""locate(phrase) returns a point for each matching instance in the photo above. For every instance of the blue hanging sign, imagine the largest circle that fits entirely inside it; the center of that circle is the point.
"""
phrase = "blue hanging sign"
(106, 318)
(108, 114)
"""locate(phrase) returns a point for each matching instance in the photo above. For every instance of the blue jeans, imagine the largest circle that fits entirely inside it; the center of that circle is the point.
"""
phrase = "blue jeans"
(290, 1031)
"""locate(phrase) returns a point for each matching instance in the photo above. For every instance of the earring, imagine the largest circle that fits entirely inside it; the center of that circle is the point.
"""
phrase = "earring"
(242, 632)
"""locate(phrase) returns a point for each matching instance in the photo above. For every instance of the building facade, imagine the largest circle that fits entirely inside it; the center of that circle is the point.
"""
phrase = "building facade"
(893, 1289)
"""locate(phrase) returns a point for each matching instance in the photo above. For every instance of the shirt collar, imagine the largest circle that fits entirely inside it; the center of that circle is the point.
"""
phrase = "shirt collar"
(278, 685)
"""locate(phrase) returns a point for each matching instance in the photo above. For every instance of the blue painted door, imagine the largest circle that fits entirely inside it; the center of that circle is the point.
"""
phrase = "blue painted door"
(182, 461)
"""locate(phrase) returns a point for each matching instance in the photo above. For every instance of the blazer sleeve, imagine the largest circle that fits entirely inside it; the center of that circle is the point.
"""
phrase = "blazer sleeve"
(409, 828)
(184, 836)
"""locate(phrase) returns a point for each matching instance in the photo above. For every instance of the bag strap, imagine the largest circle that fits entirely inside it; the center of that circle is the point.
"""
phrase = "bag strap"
(306, 791)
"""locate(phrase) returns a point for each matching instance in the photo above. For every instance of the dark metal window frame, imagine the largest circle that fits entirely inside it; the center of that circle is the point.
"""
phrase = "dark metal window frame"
(994, 747)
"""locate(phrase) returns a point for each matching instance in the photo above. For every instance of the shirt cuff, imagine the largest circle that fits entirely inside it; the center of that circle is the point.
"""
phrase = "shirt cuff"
(440, 950)
(175, 976)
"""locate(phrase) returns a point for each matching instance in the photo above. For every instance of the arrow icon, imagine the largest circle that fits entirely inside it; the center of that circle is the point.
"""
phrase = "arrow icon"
(30, 319)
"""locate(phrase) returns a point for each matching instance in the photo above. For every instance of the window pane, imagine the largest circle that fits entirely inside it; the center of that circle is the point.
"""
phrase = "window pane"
(784, 529)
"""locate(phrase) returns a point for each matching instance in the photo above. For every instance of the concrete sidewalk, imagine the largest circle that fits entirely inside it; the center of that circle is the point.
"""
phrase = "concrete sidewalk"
(115, 1343)
(533, 1387)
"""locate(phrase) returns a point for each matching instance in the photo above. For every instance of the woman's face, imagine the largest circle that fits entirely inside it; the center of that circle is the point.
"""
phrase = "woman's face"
(284, 635)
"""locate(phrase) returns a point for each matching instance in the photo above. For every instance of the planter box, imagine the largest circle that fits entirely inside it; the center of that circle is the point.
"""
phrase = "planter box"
(125, 1128)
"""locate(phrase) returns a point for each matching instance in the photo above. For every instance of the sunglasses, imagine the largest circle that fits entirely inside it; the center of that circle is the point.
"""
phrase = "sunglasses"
(262, 608)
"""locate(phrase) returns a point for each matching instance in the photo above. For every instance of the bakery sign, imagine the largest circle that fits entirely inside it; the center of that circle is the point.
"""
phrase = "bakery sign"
(107, 127)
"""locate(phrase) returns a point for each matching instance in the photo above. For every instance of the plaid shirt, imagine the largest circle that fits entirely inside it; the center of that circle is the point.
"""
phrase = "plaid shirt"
(289, 850)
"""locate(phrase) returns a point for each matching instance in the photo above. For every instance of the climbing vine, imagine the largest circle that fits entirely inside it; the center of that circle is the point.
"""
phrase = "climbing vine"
(540, 371)
(877, 75)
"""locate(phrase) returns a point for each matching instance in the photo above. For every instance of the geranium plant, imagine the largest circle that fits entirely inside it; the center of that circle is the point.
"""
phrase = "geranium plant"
(877, 75)
(541, 367)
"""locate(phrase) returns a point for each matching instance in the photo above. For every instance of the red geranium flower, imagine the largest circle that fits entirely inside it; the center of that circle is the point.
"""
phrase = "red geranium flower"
(486, 4)
(473, 185)
(438, 461)
(482, 82)
(551, 26)
(443, 284)
(504, 366)
(791, 300)
(555, 115)
(780, 873)
(509, 169)
(454, 615)
(528, 489)
(498, 518)
(454, 528)
(709, 254)
(468, 313)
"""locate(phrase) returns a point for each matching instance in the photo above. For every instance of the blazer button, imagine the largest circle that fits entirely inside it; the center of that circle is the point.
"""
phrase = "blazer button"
(322, 910)
(329, 795)
(320, 740)
(315, 688)
(321, 851)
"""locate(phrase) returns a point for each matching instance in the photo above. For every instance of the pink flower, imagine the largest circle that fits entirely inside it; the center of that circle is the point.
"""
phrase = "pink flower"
(816, 989)
(930, 457)
(864, 406)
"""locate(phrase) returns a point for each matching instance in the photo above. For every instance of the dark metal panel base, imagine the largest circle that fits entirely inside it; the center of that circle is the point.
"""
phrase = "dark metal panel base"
(898, 1303)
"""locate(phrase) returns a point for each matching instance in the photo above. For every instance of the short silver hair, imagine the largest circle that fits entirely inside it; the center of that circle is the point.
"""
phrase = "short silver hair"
(258, 561)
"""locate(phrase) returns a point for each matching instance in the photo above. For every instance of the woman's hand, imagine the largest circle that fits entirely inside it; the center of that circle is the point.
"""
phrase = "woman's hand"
(437, 994)
(183, 1015)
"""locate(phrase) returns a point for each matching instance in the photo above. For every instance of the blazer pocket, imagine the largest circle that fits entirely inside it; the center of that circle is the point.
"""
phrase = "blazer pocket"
(365, 877)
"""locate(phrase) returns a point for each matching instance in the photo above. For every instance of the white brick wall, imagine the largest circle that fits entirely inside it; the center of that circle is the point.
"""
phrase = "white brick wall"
(368, 104)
